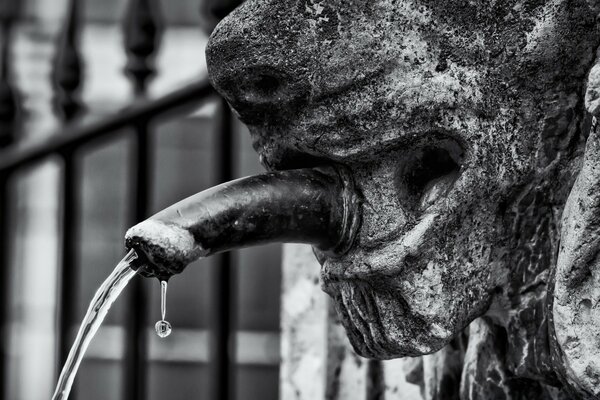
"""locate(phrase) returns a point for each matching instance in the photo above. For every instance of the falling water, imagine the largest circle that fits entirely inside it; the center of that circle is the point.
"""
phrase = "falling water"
(103, 299)
(163, 327)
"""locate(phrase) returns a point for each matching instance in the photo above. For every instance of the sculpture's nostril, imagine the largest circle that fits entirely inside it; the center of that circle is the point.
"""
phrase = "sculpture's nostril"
(251, 66)
(262, 88)
(267, 85)
(258, 93)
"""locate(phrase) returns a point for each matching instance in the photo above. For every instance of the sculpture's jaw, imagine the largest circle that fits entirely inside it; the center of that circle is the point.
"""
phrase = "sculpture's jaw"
(410, 283)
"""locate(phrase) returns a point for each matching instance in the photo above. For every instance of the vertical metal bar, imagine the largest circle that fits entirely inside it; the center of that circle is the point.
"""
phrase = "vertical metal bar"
(9, 99)
(136, 340)
(68, 275)
(223, 337)
(66, 79)
(4, 283)
(142, 29)
(375, 380)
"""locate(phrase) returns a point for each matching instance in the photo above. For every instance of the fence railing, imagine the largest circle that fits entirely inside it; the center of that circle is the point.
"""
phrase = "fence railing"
(142, 32)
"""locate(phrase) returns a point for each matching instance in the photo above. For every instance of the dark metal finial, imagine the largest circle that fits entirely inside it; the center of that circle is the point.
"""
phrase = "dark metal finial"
(142, 28)
(67, 65)
(9, 98)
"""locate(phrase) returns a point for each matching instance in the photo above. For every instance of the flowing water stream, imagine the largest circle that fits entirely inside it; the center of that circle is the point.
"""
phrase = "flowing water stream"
(103, 299)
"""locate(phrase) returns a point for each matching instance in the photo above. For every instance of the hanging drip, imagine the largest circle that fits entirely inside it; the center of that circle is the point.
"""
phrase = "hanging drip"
(163, 327)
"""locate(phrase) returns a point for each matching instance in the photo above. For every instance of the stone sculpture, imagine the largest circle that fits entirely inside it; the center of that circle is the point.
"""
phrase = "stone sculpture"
(465, 128)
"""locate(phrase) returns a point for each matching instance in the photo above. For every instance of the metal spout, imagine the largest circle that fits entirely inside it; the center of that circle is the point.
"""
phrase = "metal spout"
(318, 206)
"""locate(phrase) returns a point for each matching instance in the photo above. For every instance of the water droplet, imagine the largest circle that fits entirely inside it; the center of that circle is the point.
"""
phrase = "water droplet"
(163, 328)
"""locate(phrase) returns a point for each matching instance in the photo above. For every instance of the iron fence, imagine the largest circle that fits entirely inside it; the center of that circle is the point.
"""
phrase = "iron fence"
(142, 31)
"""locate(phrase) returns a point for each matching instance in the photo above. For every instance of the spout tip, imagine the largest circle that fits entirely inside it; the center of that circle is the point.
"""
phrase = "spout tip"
(163, 249)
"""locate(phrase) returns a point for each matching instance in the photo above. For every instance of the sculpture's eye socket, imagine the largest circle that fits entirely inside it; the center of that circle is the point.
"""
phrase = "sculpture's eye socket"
(427, 174)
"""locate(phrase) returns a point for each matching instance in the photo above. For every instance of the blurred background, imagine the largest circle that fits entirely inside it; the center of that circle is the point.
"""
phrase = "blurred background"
(106, 118)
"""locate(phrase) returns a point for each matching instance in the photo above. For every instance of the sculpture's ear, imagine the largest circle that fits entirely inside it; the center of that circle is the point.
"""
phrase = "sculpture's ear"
(575, 304)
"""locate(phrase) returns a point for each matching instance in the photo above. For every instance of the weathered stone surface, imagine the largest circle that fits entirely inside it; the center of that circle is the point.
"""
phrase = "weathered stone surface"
(463, 124)
(592, 93)
(441, 372)
(576, 308)
(396, 385)
(303, 327)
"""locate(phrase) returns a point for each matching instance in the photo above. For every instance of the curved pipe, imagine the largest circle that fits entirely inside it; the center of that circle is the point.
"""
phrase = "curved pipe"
(317, 206)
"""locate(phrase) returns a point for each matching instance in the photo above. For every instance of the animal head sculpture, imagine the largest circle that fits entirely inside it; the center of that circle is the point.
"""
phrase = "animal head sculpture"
(463, 125)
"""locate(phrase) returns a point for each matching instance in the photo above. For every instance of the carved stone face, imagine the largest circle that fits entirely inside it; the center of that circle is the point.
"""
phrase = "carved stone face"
(443, 110)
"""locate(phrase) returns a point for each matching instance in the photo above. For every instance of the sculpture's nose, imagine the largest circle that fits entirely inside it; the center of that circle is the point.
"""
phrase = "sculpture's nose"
(252, 62)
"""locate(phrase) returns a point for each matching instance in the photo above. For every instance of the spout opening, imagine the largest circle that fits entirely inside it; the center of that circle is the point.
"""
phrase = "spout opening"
(163, 249)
